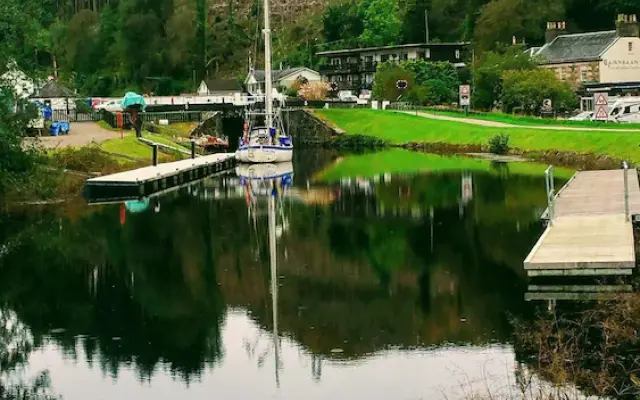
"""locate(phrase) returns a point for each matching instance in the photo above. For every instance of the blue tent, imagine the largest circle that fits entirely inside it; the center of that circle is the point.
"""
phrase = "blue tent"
(133, 100)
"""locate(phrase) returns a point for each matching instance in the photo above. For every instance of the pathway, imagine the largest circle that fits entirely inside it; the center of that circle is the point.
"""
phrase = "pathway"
(590, 234)
(495, 124)
(82, 134)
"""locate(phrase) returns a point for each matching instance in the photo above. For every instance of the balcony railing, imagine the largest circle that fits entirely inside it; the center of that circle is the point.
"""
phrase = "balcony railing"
(349, 68)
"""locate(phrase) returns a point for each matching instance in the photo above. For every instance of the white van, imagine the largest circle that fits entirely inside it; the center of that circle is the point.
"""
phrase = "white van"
(623, 107)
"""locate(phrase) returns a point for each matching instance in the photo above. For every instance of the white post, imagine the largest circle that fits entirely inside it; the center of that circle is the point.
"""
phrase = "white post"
(626, 191)
(549, 181)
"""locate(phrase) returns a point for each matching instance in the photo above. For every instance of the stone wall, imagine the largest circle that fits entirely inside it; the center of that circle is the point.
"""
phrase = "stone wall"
(211, 126)
(307, 129)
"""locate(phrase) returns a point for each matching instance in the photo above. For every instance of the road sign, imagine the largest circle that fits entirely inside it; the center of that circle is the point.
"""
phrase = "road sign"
(601, 99)
(402, 84)
(547, 104)
(465, 95)
(602, 113)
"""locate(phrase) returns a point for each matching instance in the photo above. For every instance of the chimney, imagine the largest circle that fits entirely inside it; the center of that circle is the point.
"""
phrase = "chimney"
(627, 25)
(555, 29)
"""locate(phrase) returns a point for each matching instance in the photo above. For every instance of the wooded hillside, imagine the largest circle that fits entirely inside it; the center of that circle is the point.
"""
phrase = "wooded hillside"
(104, 47)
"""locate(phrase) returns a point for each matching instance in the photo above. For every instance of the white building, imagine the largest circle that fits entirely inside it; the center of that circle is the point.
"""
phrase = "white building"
(284, 78)
(220, 87)
(606, 61)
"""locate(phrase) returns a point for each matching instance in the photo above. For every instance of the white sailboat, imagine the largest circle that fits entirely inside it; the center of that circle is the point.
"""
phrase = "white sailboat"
(269, 143)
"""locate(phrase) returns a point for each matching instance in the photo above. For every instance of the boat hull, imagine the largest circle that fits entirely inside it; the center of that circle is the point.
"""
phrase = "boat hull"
(264, 154)
(264, 171)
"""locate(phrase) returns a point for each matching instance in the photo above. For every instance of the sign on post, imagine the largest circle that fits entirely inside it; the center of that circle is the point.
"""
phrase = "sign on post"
(465, 95)
(601, 106)
(402, 84)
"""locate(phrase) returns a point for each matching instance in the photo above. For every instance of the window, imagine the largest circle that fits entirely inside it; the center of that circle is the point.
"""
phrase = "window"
(630, 47)
(583, 74)
(384, 58)
(457, 54)
(405, 56)
(335, 61)
(368, 59)
(339, 78)
(427, 54)
(349, 78)
(420, 55)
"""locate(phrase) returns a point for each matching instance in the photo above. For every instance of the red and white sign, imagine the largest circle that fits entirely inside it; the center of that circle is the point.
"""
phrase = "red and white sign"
(601, 106)
(602, 113)
(601, 99)
(465, 95)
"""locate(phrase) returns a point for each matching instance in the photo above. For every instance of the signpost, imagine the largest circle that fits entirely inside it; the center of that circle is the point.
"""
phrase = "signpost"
(465, 97)
(601, 106)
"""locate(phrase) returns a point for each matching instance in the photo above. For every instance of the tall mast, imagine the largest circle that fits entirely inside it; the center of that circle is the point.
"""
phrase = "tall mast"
(268, 81)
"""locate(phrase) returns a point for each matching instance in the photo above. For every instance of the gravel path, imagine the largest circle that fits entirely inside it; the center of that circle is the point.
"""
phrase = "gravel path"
(82, 134)
(494, 124)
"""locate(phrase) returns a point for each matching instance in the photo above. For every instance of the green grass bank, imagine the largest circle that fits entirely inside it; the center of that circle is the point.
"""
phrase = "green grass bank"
(400, 129)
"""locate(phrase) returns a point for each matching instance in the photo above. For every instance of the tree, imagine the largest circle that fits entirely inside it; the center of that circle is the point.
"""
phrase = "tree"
(386, 79)
(381, 22)
(528, 89)
(342, 23)
(487, 74)
(501, 20)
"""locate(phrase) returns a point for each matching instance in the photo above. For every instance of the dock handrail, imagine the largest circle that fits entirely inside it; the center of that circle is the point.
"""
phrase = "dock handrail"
(625, 165)
(551, 192)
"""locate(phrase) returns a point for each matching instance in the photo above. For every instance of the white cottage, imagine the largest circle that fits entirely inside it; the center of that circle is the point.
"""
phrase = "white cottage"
(284, 78)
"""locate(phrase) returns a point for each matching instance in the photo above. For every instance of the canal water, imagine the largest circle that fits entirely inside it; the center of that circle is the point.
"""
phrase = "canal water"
(387, 283)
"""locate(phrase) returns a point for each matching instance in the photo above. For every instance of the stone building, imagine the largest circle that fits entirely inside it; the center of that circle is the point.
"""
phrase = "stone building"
(595, 61)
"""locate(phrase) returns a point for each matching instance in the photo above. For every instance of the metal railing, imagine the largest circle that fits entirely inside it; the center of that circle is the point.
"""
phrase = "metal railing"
(627, 215)
(551, 193)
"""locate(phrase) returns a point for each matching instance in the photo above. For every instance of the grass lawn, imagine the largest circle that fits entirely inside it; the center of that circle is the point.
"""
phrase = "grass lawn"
(129, 146)
(402, 128)
(405, 161)
(524, 120)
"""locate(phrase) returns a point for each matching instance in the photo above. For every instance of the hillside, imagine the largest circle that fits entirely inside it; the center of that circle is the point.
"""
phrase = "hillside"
(103, 47)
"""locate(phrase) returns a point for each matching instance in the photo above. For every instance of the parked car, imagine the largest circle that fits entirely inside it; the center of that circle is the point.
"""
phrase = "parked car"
(347, 95)
(583, 116)
(111, 106)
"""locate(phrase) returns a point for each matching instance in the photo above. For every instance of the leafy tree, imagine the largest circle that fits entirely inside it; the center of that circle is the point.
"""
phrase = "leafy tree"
(528, 89)
(487, 74)
(386, 79)
(501, 20)
(381, 22)
(342, 23)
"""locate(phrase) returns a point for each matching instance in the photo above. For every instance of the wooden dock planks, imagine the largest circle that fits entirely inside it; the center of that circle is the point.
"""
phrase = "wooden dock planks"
(145, 181)
(590, 234)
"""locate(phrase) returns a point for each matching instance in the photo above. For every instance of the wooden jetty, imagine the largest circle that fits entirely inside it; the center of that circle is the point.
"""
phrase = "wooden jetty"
(149, 180)
(590, 231)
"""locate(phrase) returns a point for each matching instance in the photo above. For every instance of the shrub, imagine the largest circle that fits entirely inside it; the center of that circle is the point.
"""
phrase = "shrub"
(314, 91)
(499, 144)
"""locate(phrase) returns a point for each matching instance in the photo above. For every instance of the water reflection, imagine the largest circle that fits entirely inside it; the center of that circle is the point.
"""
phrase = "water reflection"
(246, 287)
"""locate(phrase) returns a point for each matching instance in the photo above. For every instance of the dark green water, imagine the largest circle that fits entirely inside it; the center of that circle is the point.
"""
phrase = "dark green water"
(395, 287)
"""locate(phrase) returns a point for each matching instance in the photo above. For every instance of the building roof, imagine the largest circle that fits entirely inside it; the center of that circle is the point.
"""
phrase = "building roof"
(279, 74)
(577, 47)
(223, 85)
(53, 89)
(400, 46)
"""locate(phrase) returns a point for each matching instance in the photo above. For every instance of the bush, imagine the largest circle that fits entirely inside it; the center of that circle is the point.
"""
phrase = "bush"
(314, 91)
(528, 89)
(356, 141)
(499, 144)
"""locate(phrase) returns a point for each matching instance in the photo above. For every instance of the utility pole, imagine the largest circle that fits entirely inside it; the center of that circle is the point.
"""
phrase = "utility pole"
(426, 24)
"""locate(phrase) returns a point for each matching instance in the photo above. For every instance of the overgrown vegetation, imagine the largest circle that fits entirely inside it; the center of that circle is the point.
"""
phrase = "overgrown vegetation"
(499, 144)
(596, 349)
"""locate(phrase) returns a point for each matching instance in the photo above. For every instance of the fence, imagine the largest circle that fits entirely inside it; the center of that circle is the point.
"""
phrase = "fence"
(75, 116)
(180, 116)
